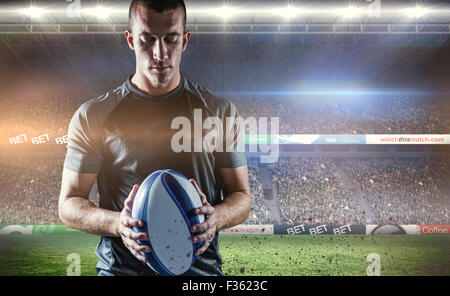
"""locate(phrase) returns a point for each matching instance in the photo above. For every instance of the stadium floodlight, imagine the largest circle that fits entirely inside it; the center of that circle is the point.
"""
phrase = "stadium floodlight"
(100, 12)
(228, 12)
(288, 12)
(225, 12)
(350, 12)
(33, 12)
(416, 12)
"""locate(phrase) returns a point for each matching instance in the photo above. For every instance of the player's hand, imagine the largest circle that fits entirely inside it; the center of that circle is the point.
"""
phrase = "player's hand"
(208, 227)
(129, 236)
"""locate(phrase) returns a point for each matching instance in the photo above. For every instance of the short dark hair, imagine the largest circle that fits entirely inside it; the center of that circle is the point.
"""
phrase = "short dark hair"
(159, 6)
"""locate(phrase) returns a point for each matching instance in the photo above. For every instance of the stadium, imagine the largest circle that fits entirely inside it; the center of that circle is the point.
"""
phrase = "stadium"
(361, 94)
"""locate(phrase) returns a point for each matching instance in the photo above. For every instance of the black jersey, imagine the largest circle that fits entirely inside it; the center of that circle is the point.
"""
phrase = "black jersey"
(125, 135)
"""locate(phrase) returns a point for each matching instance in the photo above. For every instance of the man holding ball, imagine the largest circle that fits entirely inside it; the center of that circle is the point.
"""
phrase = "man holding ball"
(123, 136)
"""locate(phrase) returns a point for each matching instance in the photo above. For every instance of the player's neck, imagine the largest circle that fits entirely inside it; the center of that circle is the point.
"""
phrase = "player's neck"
(145, 85)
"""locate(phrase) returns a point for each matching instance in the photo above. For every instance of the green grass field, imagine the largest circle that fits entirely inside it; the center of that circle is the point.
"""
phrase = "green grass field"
(250, 255)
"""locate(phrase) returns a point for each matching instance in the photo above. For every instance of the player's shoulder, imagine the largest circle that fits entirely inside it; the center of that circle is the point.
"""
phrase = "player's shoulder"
(100, 107)
(219, 104)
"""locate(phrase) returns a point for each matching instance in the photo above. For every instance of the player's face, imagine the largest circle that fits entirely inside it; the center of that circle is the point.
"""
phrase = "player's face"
(158, 40)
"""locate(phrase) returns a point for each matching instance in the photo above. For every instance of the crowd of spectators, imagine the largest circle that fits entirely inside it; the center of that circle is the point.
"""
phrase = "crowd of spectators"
(352, 115)
(259, 213)
(32, 197)
(310, 191)
(297, 115)
(35, 117)
(404, 191)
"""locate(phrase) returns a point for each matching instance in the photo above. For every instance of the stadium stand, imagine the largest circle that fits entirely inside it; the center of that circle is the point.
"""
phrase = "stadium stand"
(309, 191)
(298, 115)
(352, 115)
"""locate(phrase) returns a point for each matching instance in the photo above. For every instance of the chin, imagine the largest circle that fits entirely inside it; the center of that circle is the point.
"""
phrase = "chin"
(161, 78)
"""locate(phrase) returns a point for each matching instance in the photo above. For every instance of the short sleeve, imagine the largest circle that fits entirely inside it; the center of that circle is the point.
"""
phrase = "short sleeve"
(84, 148)
(232, 130)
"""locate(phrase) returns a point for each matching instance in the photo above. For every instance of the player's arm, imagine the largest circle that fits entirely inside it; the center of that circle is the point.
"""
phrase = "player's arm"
(234, 209)
(236, 206)
(78, 212)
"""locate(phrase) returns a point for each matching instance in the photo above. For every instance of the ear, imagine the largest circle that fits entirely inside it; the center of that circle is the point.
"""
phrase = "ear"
(129, 37)
(186, 38)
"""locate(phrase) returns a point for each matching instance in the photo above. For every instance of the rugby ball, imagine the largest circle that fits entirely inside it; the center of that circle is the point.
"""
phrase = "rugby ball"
(165, 202)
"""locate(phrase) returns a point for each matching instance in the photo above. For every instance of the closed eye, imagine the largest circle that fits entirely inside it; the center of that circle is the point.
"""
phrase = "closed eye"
(146, 38)
(172, 39)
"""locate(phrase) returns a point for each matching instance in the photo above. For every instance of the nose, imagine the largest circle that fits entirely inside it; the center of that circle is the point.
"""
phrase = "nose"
(160, 50)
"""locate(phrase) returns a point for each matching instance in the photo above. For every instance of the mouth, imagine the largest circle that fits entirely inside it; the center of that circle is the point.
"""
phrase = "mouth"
(160, 69)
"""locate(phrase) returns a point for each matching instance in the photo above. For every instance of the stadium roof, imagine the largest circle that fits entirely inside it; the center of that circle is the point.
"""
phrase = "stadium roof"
(236, 17)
